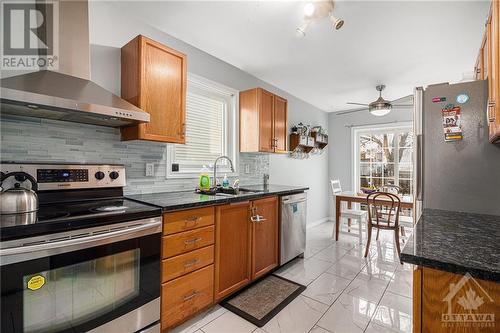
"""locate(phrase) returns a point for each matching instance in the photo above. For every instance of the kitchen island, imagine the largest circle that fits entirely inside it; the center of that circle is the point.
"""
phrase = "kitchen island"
(456, 280)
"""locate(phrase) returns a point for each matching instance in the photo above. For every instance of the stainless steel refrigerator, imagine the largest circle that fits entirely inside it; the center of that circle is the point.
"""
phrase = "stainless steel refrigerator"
(459, 174)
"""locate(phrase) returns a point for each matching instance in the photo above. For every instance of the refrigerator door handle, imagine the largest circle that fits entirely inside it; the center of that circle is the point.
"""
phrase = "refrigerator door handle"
(420, 154)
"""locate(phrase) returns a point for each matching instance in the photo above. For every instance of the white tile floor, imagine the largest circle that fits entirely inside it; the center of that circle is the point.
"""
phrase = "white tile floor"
(345, 292)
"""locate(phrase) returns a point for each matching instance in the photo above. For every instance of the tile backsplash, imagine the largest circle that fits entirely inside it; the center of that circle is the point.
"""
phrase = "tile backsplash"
(40, 140)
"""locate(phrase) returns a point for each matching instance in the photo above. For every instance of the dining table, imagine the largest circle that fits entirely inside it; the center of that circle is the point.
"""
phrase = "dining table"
(355, 197)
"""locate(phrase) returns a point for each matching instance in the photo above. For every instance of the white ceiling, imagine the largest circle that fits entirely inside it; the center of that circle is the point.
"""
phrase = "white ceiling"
(401, 44)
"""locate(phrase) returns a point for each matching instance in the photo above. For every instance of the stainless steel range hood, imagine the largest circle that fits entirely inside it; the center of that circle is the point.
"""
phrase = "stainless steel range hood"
(68, 94)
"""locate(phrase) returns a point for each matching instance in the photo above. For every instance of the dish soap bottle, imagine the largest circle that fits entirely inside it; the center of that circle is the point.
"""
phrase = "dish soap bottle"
(204, 181)
(225, 182)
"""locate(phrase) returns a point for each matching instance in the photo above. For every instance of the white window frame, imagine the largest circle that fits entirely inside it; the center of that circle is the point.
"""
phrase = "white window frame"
(230, 134)
(382, 128)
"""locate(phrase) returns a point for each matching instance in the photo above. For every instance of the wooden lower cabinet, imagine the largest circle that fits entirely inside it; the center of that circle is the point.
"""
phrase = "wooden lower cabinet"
(265, 237)
(448, 302)
(185, 296)
(186, 220)
(232, 248)
(187, 241)
(203, 263)
(246, 247)
(187, 264)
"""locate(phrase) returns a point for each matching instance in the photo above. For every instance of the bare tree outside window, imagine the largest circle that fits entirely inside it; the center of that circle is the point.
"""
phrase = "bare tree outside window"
(386, 158)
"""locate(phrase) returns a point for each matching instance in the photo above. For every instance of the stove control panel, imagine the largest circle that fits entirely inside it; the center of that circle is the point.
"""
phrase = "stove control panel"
(69, 176)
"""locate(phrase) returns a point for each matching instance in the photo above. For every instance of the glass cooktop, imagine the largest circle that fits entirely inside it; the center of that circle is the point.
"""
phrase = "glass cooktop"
(56, 217)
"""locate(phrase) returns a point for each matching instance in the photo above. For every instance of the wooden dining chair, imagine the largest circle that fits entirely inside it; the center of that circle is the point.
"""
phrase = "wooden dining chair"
(347, 213)
(383, 213)
(394, 189)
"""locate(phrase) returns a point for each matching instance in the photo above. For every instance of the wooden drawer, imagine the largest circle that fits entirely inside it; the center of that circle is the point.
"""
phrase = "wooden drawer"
(185, 263)
(187, 220)
(186, 295)
(187, 241)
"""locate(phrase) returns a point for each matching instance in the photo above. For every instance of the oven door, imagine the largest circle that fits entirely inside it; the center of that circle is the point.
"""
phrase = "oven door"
(104, 278)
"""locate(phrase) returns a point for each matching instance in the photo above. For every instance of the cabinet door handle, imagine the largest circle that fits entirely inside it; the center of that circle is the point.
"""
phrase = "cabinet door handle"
(191, 296)
(191, 263)
(183, 129)
(491, 111)
(192, 241)
(258, 219)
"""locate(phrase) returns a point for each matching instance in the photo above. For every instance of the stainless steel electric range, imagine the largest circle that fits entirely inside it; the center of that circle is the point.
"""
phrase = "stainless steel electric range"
(87, 260)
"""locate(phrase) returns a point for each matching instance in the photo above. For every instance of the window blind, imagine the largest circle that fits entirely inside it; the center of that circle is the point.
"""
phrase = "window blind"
(205, 130)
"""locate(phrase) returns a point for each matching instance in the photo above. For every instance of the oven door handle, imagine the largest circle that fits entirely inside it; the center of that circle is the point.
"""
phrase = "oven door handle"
(73, 244)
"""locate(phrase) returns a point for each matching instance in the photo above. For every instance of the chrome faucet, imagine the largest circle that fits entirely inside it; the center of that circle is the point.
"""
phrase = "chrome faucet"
(266, 180)
(215, 167)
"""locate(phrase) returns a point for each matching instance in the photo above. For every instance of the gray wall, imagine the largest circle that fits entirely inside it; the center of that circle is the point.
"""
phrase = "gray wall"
(110, 29)
(340, 146)
(37, 140)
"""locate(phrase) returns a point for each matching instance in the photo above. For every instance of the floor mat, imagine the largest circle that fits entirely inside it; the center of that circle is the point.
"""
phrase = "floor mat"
(262, 300)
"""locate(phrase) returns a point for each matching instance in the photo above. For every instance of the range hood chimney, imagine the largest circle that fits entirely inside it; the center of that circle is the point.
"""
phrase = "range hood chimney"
(68, 94)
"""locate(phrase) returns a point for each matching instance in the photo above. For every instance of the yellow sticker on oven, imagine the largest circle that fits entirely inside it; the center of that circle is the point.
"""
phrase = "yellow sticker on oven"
(36, 282)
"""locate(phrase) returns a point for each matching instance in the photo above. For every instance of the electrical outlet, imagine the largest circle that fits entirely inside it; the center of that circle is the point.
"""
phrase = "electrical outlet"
(150, 169)
(247, 168)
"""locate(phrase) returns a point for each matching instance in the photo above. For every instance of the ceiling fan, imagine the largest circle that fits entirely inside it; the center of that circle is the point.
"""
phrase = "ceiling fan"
(380, 107)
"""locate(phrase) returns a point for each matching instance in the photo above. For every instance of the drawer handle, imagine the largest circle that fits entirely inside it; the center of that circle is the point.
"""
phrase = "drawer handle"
(192, 241)
(193, 220)
(191, 296)
(191, 263)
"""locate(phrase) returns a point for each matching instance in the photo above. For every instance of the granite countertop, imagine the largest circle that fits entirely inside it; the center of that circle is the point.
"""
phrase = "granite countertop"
(170, 201)
(456, 242)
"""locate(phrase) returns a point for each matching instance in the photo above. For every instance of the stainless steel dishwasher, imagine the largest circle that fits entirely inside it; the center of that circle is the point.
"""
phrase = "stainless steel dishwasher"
(293, 226)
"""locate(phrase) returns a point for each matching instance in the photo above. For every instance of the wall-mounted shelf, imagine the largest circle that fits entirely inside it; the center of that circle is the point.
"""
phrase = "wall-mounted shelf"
(321, 140)
(303, 142)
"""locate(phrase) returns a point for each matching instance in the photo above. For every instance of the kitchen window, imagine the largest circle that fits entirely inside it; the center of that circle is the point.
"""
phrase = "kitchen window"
(382, 156)
(210, 130)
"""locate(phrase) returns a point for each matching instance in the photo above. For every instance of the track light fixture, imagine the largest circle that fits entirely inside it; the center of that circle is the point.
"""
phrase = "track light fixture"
(318, 10)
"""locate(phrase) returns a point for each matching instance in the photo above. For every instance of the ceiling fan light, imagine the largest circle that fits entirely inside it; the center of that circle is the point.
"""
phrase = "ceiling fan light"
(380, 111)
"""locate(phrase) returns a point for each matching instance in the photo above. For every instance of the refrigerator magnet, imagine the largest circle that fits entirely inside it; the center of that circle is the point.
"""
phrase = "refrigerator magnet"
(438, 99)
(462, 98)
(452, 123)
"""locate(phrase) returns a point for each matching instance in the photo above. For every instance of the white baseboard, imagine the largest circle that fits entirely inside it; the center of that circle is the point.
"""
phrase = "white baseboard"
(318, 222)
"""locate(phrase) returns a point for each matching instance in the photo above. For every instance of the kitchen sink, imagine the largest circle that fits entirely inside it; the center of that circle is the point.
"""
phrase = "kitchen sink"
(231, 191)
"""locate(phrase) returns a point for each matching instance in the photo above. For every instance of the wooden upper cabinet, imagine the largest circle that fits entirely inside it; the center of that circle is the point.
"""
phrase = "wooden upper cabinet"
(493, 31)
(480, 68)
(264, 236)
(263, 122)
(266, 130)
(154, 79)
(280, 124)
(232, 248)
